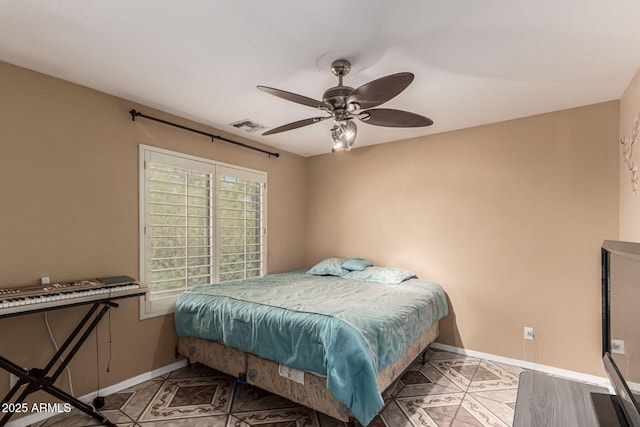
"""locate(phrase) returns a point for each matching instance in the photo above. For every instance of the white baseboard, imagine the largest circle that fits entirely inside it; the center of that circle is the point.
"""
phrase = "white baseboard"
(88, 398)
(573, 375)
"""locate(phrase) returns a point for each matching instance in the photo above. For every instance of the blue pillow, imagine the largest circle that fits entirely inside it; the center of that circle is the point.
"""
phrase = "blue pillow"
(328, 267)
(391, 275)
(356, 264)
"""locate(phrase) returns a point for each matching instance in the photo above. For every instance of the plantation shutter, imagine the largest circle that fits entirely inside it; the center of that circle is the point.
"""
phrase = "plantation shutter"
(201, 222)
(180, 245)
(241, 226)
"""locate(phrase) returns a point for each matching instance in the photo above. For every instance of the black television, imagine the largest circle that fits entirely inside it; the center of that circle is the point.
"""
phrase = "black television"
(620, 334)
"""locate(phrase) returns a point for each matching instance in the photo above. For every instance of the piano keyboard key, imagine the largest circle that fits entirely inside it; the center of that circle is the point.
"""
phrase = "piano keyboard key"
(31, 299)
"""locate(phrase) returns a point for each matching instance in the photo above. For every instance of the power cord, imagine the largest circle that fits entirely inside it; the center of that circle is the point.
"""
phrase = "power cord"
(534, 351)
(98, 402)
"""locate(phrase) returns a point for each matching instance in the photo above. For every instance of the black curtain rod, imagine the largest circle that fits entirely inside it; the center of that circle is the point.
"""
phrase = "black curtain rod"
(135, 114)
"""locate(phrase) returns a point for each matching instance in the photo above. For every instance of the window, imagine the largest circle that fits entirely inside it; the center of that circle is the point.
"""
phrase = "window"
(200, 221)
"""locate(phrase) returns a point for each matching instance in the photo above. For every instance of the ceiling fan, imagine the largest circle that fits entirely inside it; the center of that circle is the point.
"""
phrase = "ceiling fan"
(344, 103)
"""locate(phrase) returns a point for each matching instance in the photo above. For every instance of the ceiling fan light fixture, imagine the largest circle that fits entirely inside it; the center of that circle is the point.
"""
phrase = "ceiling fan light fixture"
(343, 104)
(343, 135)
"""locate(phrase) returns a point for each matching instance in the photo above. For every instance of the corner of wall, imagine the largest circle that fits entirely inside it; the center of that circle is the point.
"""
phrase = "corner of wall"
(629, 205)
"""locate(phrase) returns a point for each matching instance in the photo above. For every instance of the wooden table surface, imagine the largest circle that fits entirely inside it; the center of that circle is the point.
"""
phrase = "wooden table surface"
(547, 401)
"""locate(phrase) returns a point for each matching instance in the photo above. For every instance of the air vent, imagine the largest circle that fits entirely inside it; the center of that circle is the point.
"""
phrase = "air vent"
(248, 125)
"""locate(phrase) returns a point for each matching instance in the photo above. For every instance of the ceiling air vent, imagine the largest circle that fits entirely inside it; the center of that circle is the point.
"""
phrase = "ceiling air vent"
(248, 125)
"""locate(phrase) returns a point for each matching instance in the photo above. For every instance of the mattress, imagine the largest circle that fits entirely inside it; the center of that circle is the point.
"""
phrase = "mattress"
(343, 329)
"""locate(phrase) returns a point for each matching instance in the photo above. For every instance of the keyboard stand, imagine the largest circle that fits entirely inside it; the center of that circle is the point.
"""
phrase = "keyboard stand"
(39, 379)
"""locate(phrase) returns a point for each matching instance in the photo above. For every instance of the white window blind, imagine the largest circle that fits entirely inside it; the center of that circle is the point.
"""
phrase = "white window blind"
(202, 222)
(241, 227)
(180, 246)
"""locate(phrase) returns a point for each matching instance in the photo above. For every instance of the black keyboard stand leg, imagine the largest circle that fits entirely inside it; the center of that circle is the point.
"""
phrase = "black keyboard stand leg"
(38, 379)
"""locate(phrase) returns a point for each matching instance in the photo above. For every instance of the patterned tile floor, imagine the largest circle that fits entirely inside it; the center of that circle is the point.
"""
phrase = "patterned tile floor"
(450, 390)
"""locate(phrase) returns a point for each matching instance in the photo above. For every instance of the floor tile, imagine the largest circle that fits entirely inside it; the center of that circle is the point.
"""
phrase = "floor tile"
(473, 411)
(489, 376)
(326, 421)
(210, 421)
(432, 410)
(137, 398)
(251, 399)
(292, 417)
(448, 390)
(190, 397)
(503, 410)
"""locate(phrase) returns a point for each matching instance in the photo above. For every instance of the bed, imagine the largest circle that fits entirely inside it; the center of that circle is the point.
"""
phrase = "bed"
(329, 342)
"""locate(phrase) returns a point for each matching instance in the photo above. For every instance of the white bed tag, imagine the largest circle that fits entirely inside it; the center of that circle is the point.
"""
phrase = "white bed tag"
(293, 374)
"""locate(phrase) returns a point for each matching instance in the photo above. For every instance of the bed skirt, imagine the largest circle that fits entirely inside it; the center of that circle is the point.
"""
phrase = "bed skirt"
(265, 374)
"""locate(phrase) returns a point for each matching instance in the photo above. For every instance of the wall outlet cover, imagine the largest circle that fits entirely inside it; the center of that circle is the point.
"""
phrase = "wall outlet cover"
(528, 333)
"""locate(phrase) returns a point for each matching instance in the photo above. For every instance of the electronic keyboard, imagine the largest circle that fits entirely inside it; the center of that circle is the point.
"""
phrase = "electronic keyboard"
(99, 294)
(15, 301)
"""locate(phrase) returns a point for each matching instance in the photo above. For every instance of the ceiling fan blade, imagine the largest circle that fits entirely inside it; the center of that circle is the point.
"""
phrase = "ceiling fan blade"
(379, 91)
(295, 125)
(294, 97)
(394, 118)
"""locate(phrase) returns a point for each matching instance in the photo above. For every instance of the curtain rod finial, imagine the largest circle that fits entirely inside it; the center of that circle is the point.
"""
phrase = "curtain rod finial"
(133, 113)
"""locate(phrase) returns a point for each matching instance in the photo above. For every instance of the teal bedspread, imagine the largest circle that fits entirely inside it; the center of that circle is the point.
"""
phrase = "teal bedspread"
(345, 329)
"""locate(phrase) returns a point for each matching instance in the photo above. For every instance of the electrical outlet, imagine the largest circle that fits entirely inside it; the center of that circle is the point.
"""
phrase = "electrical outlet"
(617, 346)
(44, 280)
(528, 333)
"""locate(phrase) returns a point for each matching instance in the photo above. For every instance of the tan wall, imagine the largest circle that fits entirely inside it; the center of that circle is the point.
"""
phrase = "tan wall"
(509, 217)
(629, 203)
(69, 185)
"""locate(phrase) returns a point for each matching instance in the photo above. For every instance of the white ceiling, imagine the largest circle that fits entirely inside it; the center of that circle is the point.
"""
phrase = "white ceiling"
(475, 61)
